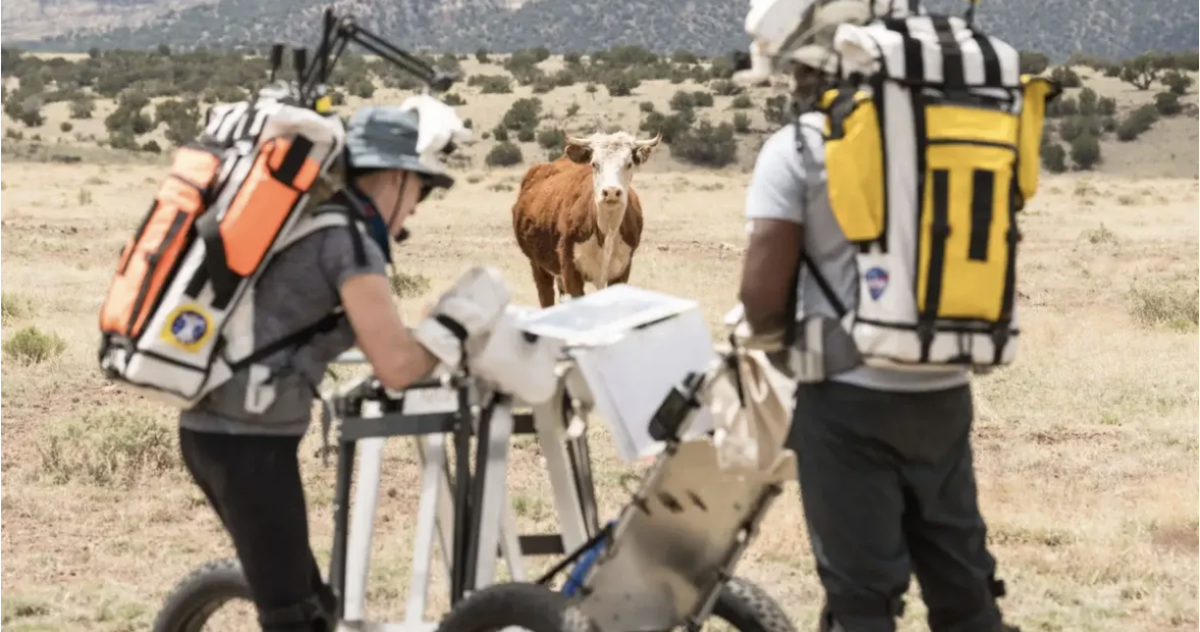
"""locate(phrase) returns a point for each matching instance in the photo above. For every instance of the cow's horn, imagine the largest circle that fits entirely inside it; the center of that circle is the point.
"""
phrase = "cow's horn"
(582, 142)
(651, 141)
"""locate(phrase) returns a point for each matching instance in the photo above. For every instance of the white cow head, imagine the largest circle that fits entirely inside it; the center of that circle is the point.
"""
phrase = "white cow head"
(614, 158)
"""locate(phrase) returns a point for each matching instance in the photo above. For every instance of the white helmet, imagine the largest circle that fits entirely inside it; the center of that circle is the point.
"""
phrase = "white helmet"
(802, 31)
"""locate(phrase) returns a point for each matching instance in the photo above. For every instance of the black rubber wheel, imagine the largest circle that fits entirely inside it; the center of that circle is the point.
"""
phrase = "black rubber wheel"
(534, 607)
(200, 594)
(749, 608)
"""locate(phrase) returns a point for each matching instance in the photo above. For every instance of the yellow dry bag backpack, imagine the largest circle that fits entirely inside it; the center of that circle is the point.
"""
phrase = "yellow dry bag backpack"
(932, 147)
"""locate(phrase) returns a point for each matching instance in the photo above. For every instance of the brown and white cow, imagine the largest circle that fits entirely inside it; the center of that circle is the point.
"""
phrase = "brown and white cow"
(577, 219)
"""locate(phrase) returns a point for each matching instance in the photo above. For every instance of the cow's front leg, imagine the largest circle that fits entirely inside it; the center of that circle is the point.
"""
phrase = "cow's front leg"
(571, 276)
(544, 281)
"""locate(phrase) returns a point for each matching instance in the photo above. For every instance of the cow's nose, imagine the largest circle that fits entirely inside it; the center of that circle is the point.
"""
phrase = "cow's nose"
(611, 194)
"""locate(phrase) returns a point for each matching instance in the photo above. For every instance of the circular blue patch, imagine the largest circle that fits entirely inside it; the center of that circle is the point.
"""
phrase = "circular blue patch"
(189, 327)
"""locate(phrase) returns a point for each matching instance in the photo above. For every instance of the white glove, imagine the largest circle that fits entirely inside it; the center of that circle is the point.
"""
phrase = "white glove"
(463, 318)
(521, 365)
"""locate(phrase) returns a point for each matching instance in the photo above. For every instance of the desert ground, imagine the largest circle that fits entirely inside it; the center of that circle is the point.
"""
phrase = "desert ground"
(1086, 448)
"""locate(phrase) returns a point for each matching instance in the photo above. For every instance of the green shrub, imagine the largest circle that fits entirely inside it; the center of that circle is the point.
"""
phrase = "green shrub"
(500, 134)
(1085, 151)
(114, 447)
(741, 123)
(702, 99)
(742, 102)
(551, 138)
(706, 145)
(525, 135)
(1167, 103)
(1165, 305)
(1054, 158)
(1032, 62)
(31, 345)
(725, 88)
(1088, 102)
(1177, 82)
(504, 154)
(621, 85)
(1066, 77)
(409, 285)
(1106, 106)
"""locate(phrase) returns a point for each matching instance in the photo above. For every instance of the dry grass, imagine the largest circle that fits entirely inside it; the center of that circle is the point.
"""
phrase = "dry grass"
(1087, 449)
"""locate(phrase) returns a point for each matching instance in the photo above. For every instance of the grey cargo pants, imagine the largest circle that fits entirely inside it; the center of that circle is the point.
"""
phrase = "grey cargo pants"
(888, 488)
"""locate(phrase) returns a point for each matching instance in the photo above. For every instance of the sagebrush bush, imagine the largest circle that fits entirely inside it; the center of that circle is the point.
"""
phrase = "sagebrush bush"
(113, 447)
(32, 346)
(1170, 305)
(504, 154)
(406, 285)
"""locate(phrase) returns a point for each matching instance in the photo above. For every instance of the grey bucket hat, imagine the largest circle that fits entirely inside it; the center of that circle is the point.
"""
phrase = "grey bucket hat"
(385, 137)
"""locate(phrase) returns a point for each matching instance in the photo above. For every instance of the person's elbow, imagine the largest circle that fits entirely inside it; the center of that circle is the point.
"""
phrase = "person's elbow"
(396, 357)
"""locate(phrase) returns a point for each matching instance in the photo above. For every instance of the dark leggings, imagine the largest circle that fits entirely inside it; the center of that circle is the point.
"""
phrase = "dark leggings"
(253, 483)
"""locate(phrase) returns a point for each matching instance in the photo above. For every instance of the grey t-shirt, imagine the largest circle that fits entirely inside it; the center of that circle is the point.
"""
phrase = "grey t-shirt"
(790, 187)
(299, 288)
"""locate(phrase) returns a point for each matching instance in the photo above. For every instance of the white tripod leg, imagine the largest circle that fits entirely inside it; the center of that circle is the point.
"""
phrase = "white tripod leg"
(432, 452)
(362, 523)
(551, 430)
(494, 472)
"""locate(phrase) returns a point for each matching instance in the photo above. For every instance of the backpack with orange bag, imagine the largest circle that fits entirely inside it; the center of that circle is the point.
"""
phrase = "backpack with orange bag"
(178, 320)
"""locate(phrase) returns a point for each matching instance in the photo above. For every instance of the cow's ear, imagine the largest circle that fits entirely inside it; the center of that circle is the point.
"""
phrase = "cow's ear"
(642, 154)
(578, 153)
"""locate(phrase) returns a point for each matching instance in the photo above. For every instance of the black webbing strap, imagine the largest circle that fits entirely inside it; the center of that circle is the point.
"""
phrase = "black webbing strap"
(296, 338)
(216, 267)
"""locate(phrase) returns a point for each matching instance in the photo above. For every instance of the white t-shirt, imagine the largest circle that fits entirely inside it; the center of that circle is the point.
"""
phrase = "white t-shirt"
(782, 188)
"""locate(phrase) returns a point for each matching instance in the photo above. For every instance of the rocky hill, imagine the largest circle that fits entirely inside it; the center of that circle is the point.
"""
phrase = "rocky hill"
(1112, 28)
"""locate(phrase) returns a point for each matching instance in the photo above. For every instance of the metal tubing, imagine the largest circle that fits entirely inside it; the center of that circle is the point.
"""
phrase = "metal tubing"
(341, 517)
(358, 545)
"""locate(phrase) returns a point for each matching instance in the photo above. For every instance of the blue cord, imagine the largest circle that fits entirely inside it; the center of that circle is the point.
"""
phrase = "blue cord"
(575, 578)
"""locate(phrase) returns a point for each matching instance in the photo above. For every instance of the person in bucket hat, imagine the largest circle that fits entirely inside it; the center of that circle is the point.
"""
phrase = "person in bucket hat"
(241, 452)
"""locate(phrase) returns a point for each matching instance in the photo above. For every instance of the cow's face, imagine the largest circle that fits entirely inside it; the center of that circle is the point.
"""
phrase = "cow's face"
(613, 158)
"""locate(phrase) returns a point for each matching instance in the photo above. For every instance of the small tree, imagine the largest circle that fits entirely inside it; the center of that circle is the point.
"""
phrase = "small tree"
(1167, 103)
(1177, 82)
(1054, 158)
(1066, 106)
(1085, 151)
(707, 145)
(551, 138)
(523, 114)
(82, 108)
(504, 154)
(1032, 62)
(741, 123)
(1141, 71)
(682, 100)
(621, 85)
(1066, 77)
(725, 88)
(1088, 102)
